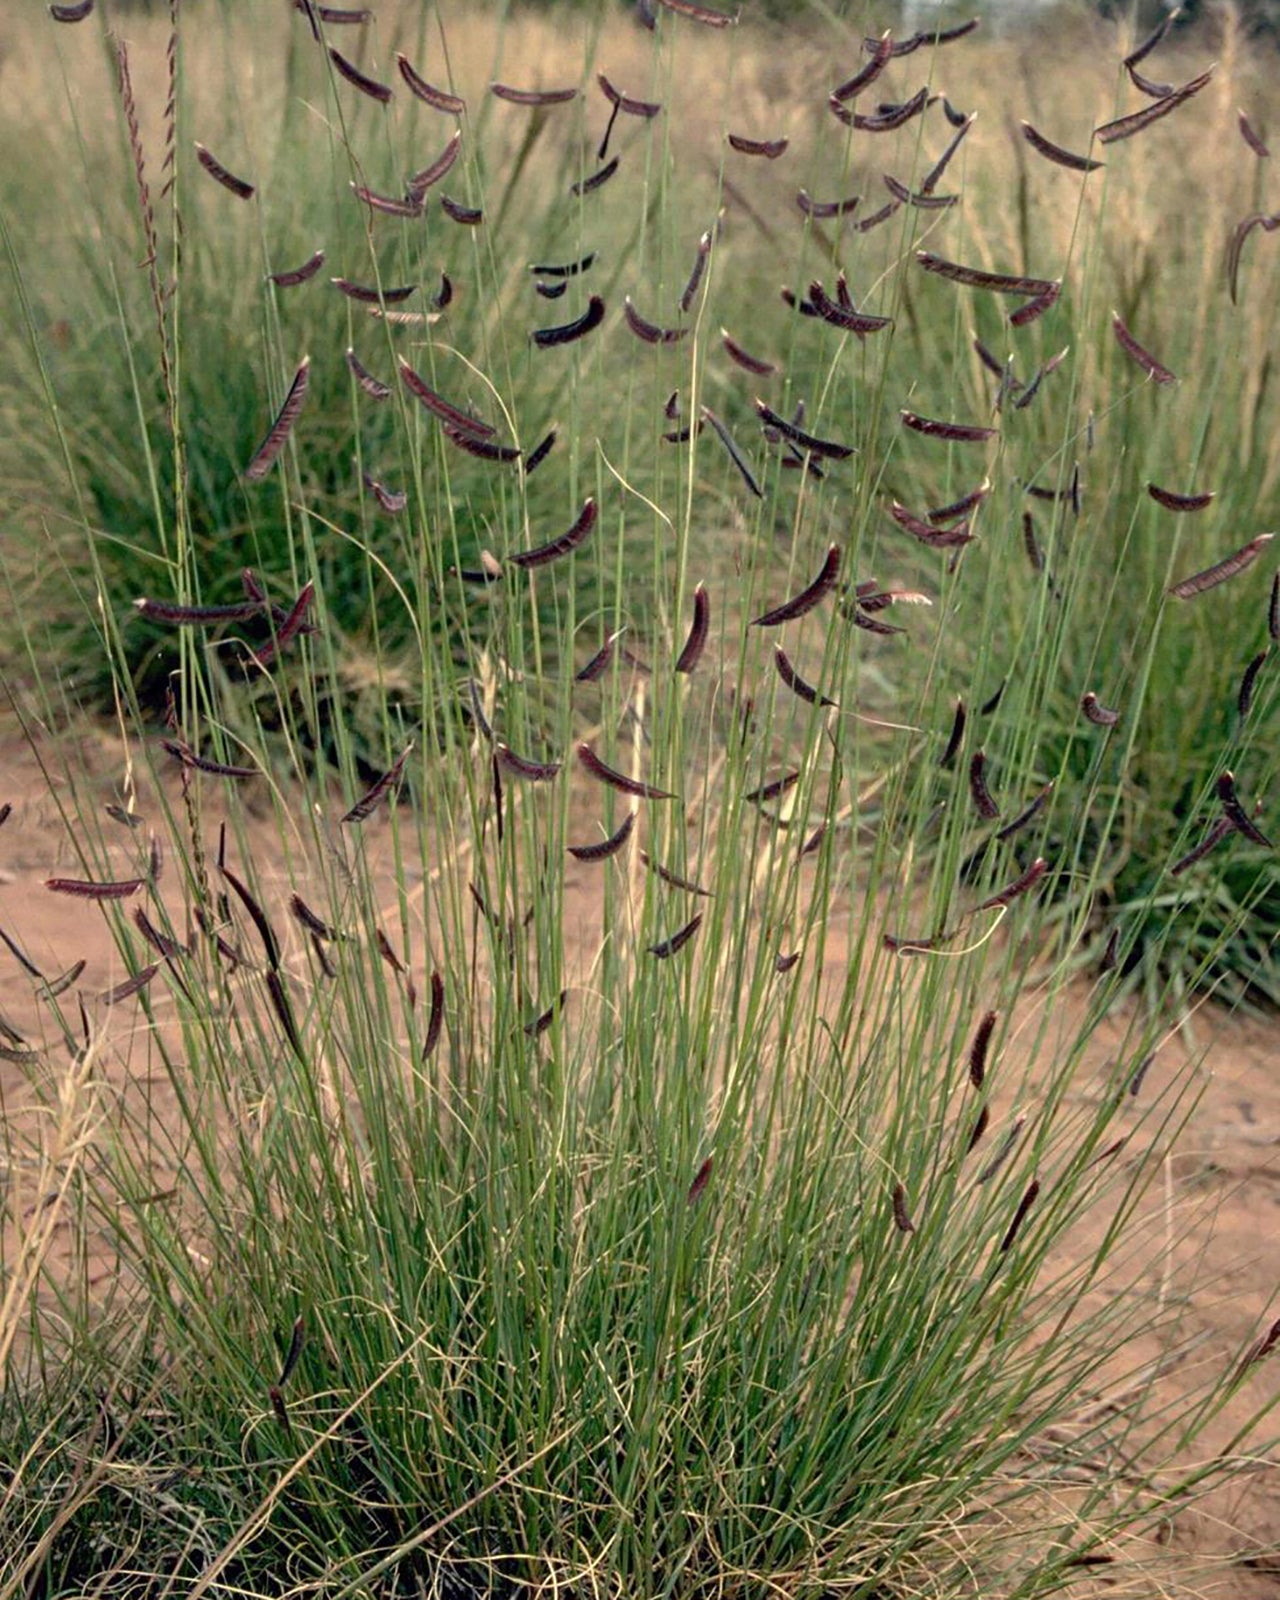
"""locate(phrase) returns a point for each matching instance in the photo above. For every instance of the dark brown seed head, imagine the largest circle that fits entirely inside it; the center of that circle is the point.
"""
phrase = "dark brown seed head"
(1020, 1215)
(978, 1050)
(1102, 716)
(982, 798)
(699, 629)
(668, 947)
(700, 1181)
(901, 1216)
(438, 99)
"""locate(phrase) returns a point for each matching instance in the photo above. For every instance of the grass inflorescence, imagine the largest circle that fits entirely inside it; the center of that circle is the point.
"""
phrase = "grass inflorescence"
(690, 619)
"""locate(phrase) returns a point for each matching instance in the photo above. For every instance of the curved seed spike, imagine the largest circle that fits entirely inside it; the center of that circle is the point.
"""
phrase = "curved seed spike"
(290, 625)
(619, 780)
(957, 734)
(1229, 567)
(540, 453)
(1236, 814)
(1101, 716)
(522, 767)
(1251, 136)
(606, 847)
(979, 1128)
(564, 545)
(978, 1050)
(923, 200)
(703, 1176)
(828, 448)
(1055, 152)
(468, 216)
(195, 763)
(282, 427)
(770, 149)
(1244, 698)
(699, 267)
(485, 449)
(841, 317)
(532, 97)
(901, 1216)
(368, 802)
(130, 987)
(1180, 502)
(935, 538)
(597, 179)
(239, 187)
(934, 175)
(359, 80)
(196, 616)
(696, 643)
(982, 797)
(1126, 127)
(813, 594)
(884, 121)
(1153, 369)
(1153, 39)
(440, 407)
(668, 947)
(387, 204)
(1259, 219)
(438, 99)
(432, 173)
(794, 682)
(703, 14)
(370, 294)
(567, 332)
(626, 103)
(1147, 86)
(309, 920)
(566, 270)
(771, 791)
(270, 944)
(933, 428)
(1216, 834)
(979, 278)
(650, 332)
(541, 1023)
(599, 663)
(881, 52)
(435, 1018)
(1019, 886)
(748, 363)
(373, 387)
(116, 889)
(71, 13)
(822, 210)
(1035, 555)
(1020, 1215)
(674, 878)
(958, 508)
(297, 275)
(1027, 814)
(1036, 307)
(877, 217)
(721, 431)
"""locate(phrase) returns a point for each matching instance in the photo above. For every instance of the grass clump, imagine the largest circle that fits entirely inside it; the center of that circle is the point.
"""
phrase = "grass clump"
(489, 1206)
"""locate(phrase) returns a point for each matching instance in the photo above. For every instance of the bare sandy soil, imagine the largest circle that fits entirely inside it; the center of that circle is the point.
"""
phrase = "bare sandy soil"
(1213, 1223)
